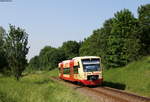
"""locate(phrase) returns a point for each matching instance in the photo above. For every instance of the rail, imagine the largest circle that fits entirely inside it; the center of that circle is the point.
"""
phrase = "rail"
(107, 94)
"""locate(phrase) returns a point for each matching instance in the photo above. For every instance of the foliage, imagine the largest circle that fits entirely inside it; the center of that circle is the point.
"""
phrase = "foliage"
(144, 29)
(44, 57)
(34, 63)
(56, 57)
(117, 42)
(71, 49)
(16, 50)
(91, 45)
(48, 59)
(3, 60)
(123, 42)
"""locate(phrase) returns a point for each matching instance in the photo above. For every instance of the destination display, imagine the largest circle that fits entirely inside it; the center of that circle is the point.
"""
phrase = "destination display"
(92, 61)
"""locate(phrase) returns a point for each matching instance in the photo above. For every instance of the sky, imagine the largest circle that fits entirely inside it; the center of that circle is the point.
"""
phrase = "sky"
(51, 22)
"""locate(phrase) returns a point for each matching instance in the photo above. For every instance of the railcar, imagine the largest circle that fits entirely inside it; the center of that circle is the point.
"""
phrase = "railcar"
(86, 70)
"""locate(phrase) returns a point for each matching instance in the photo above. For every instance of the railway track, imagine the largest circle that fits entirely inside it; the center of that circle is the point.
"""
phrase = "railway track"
(106, 94)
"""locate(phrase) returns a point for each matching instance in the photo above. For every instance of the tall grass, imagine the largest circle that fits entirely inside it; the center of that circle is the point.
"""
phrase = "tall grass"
(135, 76)
(37, 87)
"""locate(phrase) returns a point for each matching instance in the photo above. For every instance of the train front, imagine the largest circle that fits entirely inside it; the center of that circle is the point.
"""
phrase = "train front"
(92, 71)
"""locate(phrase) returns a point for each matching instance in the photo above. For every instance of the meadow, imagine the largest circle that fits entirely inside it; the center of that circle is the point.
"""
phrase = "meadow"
(37, 87)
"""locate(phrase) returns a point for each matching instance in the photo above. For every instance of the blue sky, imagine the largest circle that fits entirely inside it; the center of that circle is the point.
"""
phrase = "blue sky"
(51, 22)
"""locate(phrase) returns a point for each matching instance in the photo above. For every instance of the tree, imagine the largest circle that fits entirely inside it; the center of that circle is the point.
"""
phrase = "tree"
(144, 29)
(44, 57)
(90, 45)
(48, 58)
(71, 49)
(3, 60)
(117, 42)
(57, 56)
(97, 43)
(16, 50)
(34, 63)
(123, 41)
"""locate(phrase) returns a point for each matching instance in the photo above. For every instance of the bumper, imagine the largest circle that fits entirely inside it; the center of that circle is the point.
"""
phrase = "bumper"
(92, 82)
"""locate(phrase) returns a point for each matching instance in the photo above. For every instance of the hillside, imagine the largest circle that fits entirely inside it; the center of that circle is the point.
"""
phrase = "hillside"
(135, 77)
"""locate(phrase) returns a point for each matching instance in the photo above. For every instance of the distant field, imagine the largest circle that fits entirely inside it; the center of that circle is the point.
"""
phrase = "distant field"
(134, 77)
(37, 88)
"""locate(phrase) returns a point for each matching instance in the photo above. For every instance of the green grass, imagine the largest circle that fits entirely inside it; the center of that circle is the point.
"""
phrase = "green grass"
(135, 77)
(37, 87)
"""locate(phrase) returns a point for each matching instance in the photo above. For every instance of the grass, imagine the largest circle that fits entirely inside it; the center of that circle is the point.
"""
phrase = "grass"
(135, 77)
(37, 87)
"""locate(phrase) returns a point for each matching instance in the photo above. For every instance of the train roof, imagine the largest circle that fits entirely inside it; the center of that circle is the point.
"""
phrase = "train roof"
(78, 58)
(85, 57)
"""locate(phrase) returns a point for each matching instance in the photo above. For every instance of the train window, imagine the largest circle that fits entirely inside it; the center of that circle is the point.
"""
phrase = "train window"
(66, 71)
(91, 65)
(75, 69)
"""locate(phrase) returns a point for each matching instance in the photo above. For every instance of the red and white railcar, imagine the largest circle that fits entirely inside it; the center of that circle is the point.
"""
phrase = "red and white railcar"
(86, 70)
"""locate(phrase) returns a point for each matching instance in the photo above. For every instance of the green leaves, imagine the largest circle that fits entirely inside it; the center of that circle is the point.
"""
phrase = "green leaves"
(16, 50)
(144, 29)
(117, 42)
(71, 49)
(48, 59)
(3, 61)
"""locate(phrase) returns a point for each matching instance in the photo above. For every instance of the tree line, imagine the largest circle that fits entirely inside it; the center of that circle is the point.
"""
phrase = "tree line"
(49, 57)
(122, 39)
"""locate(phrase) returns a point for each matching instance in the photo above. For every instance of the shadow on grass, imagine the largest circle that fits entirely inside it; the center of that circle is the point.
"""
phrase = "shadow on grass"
(105, 83)
(114, 85)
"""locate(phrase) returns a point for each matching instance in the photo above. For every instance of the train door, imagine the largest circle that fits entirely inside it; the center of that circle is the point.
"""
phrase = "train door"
(81, 72)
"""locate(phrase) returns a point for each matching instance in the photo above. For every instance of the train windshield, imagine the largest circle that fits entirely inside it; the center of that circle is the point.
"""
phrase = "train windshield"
(90, 65)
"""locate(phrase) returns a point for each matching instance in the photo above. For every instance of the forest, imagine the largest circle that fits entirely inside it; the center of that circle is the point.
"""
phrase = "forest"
(122, 39)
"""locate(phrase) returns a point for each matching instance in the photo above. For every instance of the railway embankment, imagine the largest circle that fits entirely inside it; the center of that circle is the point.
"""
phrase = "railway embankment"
(135, 77)
(104, 94)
